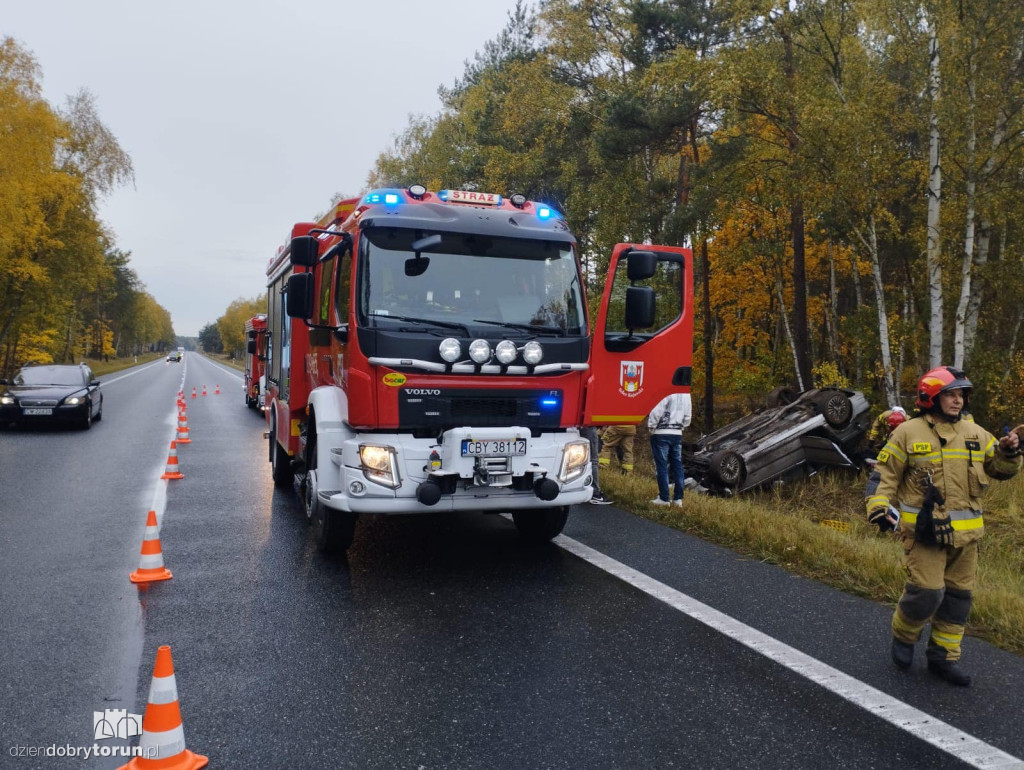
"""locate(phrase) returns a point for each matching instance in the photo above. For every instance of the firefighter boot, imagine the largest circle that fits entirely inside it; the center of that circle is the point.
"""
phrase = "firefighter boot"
(902, 653)
(950, 671)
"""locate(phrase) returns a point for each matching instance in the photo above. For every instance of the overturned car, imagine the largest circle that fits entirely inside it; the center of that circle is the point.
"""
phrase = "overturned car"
(817, 428)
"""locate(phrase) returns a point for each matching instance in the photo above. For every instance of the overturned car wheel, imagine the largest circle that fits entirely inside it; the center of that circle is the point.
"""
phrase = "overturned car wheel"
(728, 468)
(836, 407)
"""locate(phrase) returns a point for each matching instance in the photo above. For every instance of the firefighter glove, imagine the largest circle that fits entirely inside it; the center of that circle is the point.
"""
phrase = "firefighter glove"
(943, 528)
(880, 518)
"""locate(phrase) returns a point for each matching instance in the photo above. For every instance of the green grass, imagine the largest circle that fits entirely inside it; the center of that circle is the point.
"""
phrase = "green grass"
(223, 358)
(781, 526)
(100, 368)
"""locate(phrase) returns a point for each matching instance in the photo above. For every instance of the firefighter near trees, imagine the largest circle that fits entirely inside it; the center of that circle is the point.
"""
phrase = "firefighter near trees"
(432, 351)
(933, 472)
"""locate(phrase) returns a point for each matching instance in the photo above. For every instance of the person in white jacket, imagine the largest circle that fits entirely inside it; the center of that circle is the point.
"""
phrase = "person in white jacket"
(666, 423)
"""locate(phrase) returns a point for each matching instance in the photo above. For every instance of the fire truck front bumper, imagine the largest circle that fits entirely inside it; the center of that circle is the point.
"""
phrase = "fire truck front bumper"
(481, 469)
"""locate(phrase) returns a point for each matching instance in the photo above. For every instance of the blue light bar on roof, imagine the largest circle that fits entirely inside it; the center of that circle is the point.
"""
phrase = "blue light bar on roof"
(387, 197)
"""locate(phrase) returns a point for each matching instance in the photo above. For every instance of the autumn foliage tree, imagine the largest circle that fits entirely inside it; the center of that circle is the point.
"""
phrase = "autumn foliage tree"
(66, 292)
(795, 142)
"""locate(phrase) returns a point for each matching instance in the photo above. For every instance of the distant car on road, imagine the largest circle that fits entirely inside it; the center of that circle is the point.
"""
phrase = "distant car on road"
(174, 355)
(52, 393)
(818, 428)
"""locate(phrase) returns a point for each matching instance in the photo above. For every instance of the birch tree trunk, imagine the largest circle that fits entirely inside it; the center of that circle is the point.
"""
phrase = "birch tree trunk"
(800, 382)
(934, 245)
(870, 241)
(974, 302)
(832, 308)
(858, 295)
(966, 263)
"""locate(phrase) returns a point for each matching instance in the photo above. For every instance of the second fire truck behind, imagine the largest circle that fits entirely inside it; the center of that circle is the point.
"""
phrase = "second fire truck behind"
(431, 351)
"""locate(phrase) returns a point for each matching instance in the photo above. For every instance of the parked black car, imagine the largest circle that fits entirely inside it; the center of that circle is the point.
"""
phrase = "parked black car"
(52, 393)
(818, 428)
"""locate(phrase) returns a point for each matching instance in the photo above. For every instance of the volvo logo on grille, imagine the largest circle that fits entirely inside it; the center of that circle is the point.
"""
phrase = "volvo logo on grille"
(423, 391)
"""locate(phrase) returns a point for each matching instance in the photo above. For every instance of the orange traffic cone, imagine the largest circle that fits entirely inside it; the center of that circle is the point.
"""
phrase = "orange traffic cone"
(216, 390)
(183, 427)
(204, 390)
(151, 560)
(193, 391)
(172, 464)
(162, 745)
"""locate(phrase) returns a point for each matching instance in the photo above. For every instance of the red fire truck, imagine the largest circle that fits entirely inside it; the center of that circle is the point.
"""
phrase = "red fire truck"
(431, 351)
(255, 359)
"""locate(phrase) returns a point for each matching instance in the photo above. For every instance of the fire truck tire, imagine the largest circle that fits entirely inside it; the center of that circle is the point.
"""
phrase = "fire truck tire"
(280, 462)
(539, 526)
(333, 531)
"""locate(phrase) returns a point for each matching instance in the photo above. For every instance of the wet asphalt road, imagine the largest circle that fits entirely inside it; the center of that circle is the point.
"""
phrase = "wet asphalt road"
(439, 642)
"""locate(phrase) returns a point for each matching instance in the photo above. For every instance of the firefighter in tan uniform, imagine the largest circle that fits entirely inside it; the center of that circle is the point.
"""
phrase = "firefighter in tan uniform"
(884, 425)
(618, 437)
(934, 469)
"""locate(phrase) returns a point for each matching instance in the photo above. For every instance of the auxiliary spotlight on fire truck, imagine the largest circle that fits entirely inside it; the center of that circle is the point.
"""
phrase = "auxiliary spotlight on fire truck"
(431, 351)
(255, 360)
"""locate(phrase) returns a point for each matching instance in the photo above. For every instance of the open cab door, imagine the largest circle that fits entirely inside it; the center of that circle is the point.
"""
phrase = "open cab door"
(642, 346)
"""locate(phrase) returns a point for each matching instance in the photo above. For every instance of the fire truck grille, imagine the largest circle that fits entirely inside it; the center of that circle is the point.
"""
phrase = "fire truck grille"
(463, 408)
(437, 409)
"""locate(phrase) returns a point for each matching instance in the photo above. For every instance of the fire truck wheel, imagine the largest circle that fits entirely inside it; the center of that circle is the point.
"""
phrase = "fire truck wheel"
(280, 462)
(333, 531)
(539, 526)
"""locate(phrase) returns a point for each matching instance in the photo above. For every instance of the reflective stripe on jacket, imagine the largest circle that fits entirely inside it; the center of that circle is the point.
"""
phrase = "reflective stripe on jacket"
(959, 458)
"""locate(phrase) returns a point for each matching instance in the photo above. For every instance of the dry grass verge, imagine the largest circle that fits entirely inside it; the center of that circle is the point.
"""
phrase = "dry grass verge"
(782, 526)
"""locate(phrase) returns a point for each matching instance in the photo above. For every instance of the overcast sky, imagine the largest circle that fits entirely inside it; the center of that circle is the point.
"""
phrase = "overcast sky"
(242, 118)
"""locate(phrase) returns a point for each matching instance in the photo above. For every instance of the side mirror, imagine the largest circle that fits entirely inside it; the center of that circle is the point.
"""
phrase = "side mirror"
(251, 347)
(299, 296)
(95, 382)
(640, 306)
(304, 250)
(640, 265)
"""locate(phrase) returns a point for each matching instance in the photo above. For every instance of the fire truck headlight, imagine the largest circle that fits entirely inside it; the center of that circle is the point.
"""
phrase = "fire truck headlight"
(575, 460)
(533, 352)
(450, 350)
(505, 352)
(480, 351)
(379, 464)
(6, 400)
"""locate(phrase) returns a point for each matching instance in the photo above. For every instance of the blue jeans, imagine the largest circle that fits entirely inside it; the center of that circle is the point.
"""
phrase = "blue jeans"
(667, 450)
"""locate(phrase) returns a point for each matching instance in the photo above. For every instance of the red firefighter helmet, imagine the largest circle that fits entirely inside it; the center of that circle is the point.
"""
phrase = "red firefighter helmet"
(938, 380)
(896, 418)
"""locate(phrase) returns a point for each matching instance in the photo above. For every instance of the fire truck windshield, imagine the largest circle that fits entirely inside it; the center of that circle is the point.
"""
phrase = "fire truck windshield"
(469, 280)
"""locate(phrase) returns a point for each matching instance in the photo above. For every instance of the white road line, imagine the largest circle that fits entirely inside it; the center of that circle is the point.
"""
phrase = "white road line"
(961, 745)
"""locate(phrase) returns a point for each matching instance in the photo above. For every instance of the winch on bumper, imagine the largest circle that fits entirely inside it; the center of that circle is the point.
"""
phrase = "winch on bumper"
(481, 469)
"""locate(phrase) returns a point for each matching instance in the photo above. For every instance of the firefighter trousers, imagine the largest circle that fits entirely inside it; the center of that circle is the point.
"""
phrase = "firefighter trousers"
(940, 580)
(618, 437)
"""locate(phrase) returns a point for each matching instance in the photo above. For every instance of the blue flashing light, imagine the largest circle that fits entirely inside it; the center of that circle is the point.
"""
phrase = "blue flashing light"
(549, 402)
(443, 195)
(389, 197)
(544, 212)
